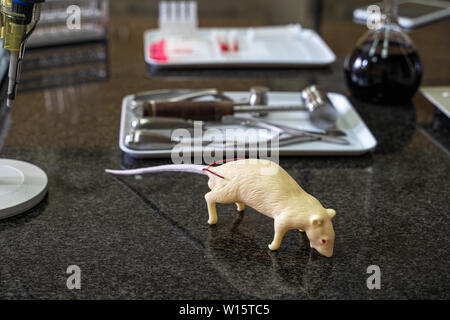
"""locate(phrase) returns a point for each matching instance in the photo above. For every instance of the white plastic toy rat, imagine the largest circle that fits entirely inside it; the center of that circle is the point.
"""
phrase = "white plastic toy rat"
(272, 192)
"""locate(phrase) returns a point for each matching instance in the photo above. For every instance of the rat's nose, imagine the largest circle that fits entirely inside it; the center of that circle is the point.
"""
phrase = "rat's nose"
(326, 251)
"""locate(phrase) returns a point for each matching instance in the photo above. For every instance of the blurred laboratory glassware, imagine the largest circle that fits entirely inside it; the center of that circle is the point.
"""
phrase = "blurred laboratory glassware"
(178, 17)
(53, 28)
(385, 67)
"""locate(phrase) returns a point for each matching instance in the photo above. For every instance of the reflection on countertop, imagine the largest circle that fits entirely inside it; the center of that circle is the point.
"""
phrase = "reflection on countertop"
(51, 67)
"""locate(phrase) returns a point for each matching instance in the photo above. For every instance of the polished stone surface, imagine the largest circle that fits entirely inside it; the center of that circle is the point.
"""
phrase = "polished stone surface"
(148, 238)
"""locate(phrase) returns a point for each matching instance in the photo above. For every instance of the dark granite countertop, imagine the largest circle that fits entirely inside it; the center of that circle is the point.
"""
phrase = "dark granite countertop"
(148, 237)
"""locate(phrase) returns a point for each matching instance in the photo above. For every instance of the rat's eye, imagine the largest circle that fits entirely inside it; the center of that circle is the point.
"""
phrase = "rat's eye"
(324, 241)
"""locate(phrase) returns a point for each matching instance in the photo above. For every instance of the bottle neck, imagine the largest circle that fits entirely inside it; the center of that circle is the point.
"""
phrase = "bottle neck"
(390, 11)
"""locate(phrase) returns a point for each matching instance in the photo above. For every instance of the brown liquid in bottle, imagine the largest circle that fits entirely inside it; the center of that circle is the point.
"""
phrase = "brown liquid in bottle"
(384, 73)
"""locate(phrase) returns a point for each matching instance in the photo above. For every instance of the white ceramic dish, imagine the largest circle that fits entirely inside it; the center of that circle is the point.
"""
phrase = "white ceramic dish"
(22, 186)
(358, 134)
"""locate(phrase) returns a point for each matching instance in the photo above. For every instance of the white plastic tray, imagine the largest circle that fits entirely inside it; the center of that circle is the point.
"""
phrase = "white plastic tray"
(439, 97)
(278, 46)
(360, 138)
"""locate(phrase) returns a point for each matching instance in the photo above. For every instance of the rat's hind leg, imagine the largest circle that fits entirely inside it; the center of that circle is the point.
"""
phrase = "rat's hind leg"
(280, 231)
(211, 202)
(240, 206)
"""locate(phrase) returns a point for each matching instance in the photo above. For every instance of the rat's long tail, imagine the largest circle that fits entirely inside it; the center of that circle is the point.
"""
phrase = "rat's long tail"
(194, 168)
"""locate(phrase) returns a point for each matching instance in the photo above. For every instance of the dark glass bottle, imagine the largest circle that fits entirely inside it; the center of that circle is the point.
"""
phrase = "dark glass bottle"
(384, 67)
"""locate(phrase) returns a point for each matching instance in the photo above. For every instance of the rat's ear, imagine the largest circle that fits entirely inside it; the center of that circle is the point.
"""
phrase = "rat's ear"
(331, 213)
(316, 220)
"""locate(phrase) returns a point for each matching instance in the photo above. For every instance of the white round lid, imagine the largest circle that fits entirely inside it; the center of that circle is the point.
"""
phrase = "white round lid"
(22, 186)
